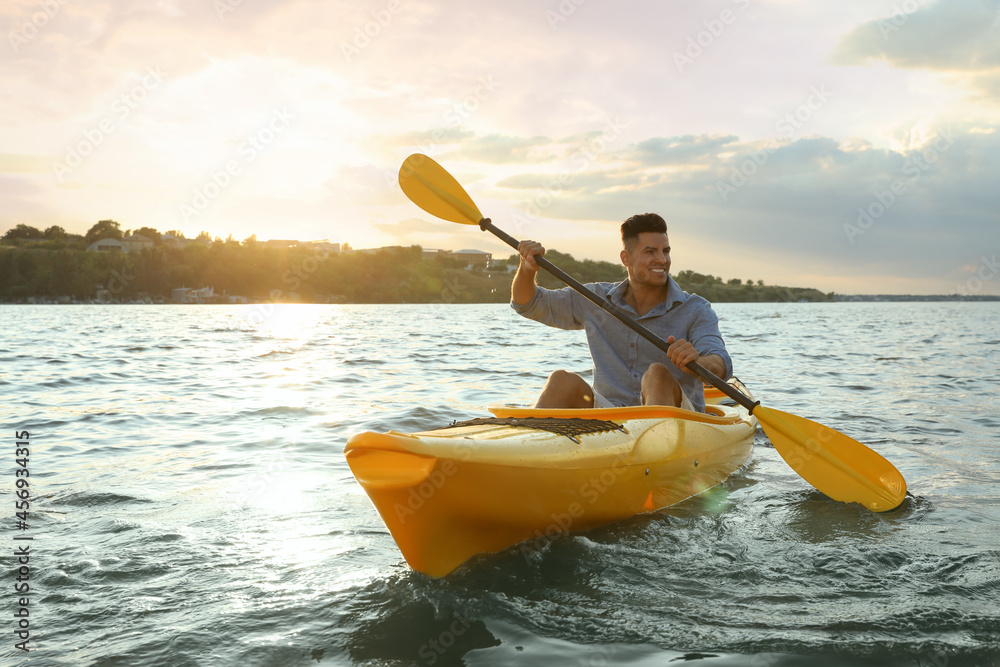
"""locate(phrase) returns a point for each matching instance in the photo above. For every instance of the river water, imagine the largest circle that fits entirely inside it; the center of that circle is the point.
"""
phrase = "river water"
(190, 503)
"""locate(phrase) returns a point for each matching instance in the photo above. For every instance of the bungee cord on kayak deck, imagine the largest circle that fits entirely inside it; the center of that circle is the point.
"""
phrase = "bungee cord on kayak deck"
(571, 428)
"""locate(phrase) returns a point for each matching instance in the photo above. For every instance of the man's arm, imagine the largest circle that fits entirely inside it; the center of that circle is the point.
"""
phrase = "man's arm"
(681, 353)
(703, 332)
(714, 364)
(522, 288)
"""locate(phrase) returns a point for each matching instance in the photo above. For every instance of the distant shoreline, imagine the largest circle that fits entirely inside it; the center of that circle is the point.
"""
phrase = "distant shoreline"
(860, 298)
(839, 298)
(220, 272)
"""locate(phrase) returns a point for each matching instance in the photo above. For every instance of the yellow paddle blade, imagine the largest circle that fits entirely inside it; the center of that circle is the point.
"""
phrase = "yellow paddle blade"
(433, 189)
(837, 465)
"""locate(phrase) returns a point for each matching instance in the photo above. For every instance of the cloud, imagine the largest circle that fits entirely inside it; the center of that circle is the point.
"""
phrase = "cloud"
(679, 150)
(945, 35)
(988, 85)
(836, 207)
(503, 149)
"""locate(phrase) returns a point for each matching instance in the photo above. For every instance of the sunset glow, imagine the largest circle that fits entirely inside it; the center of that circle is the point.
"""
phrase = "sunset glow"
(850, 147)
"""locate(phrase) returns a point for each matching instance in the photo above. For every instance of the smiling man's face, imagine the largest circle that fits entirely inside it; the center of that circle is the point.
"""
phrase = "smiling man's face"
(647, 259)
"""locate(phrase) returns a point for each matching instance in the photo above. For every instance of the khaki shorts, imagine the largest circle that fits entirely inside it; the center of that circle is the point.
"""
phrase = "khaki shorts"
(601, 402)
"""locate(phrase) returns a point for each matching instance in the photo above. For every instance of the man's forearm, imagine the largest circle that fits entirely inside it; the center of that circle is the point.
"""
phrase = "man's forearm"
(522, 288)
(714, 364)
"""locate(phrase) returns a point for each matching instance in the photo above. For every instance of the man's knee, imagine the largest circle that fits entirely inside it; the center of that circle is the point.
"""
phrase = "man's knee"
(658, 373)
(565, 390)
(659, 387)
(561, 378)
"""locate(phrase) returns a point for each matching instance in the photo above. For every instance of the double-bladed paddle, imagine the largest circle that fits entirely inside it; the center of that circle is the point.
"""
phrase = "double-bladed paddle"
(835, 464)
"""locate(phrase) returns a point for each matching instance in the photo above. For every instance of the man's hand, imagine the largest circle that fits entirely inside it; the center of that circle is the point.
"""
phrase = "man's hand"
(528, 250)
(681, 353)
(522, 288)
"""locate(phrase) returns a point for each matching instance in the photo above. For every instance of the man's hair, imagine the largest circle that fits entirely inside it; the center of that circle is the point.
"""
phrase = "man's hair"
(642, 222)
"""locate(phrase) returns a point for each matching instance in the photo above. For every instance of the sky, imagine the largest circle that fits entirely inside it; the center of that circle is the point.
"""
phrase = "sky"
(852, 147)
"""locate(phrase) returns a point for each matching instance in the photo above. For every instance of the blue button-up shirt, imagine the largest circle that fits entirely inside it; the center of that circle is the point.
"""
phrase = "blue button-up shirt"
(620, 355)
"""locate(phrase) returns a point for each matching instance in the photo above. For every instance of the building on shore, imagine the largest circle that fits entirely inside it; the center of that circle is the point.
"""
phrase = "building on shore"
(473, 257)
(169, 240)
(137, 243)
(133, 243)
(107, 245)
(322, 244)
(188, 295)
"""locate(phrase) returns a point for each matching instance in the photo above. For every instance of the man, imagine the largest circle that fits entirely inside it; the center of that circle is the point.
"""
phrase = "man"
(628, 369)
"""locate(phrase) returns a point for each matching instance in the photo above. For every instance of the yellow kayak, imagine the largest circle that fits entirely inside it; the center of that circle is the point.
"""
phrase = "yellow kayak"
(529, 474)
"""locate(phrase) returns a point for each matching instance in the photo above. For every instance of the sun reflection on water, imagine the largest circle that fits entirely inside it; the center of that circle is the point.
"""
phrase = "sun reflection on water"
(283, 535)
(286, 320)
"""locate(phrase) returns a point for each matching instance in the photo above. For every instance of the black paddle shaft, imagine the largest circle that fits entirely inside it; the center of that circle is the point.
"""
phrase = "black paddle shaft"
(622, 316)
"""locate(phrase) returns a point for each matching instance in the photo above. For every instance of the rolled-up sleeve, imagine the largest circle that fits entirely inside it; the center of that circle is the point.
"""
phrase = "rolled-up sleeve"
(556, 308)
(707, 339)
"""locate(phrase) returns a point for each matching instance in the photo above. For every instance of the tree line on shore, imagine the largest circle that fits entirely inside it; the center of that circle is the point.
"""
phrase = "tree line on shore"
(51, 264)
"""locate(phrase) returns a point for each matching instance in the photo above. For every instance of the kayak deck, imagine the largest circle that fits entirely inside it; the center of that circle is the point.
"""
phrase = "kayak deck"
(450, 493)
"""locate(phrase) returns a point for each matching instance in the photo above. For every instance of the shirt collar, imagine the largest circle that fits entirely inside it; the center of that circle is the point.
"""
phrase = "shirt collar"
(675, 295)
